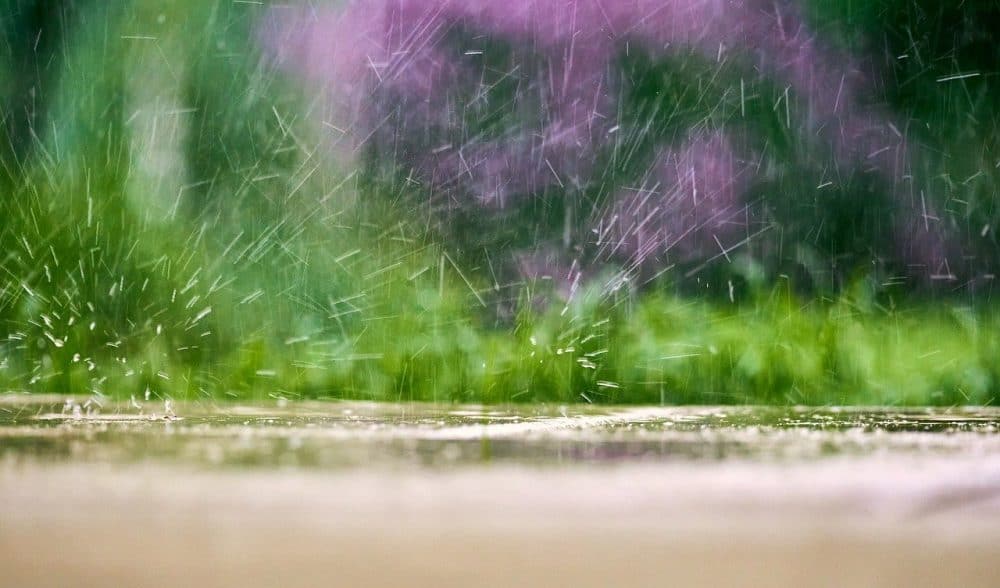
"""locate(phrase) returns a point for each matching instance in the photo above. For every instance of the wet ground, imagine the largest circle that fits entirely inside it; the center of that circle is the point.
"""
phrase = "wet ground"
(153, 493)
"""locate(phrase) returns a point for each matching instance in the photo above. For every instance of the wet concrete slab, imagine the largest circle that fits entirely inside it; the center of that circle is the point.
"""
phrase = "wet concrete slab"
(97, 493)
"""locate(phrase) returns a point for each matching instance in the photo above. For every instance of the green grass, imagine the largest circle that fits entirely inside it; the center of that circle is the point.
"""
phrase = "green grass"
(401, 323)
(182, 233)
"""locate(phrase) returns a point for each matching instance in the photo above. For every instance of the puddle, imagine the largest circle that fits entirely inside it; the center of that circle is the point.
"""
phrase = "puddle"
(154, 494)
(337, 435)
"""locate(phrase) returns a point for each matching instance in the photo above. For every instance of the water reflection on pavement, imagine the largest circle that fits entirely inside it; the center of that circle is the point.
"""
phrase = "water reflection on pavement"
(151, 493)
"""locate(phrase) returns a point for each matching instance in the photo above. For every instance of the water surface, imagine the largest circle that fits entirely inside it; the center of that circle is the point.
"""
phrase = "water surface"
(155, 493)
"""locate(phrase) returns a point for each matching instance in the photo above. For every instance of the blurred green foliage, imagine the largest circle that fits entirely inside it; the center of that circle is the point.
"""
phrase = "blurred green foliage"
(172, 226)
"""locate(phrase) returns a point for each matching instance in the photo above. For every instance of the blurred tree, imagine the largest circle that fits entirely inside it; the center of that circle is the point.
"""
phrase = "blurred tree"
(32, 48)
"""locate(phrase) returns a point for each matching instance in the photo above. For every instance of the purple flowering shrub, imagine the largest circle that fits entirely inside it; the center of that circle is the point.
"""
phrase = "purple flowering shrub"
(519, 125)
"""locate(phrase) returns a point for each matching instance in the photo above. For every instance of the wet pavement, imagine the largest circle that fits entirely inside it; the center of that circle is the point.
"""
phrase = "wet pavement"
(154, 493)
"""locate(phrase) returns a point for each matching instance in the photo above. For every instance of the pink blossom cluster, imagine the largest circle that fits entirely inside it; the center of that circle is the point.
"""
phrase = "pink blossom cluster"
(397, 83)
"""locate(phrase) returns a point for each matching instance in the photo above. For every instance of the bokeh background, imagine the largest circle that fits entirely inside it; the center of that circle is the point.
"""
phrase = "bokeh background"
(175, 223)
